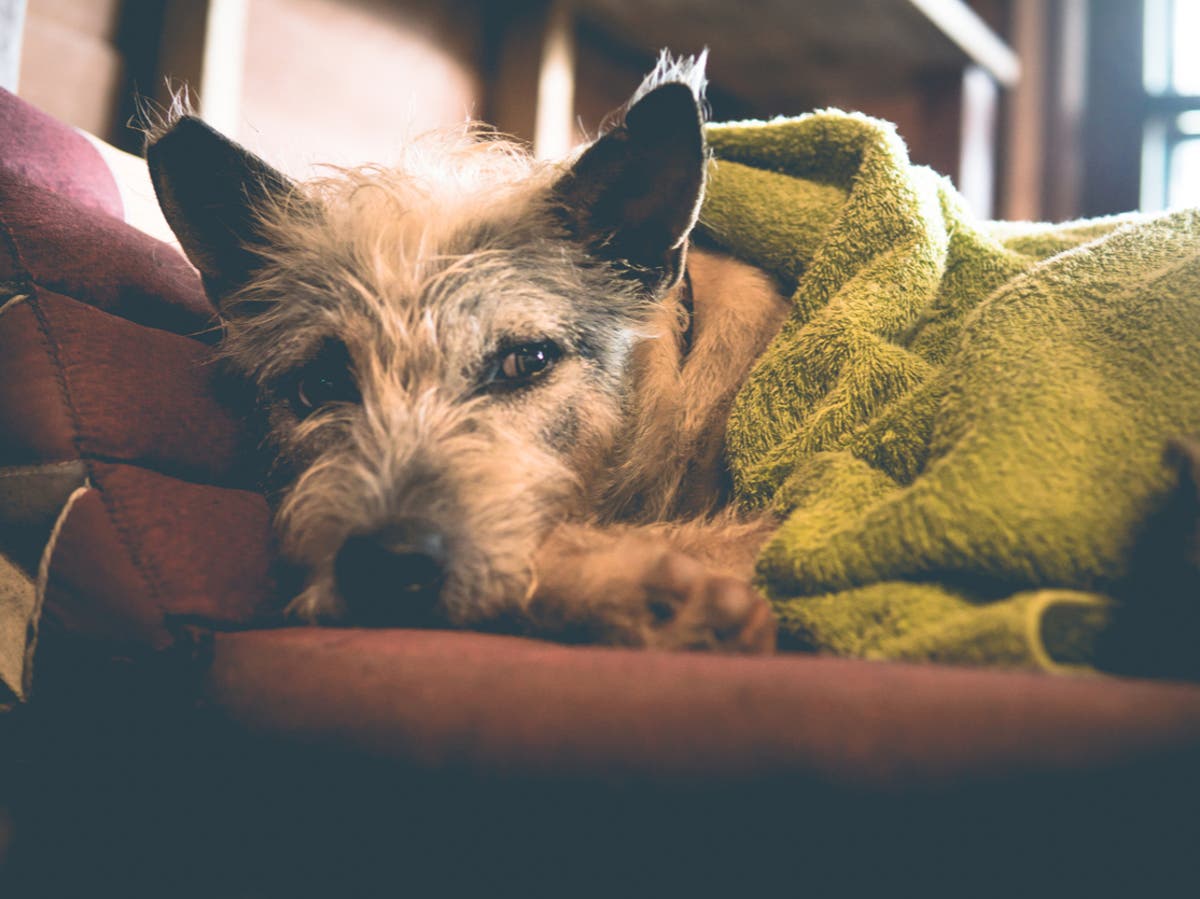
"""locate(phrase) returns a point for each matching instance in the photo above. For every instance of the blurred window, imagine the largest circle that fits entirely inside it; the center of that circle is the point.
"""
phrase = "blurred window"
(1171, 77)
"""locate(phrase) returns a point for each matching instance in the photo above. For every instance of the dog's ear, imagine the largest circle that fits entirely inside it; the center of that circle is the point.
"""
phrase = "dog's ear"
(213, 192)
(633, 196)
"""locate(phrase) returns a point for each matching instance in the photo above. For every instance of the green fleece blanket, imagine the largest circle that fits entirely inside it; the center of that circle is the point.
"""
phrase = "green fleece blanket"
(962, 424)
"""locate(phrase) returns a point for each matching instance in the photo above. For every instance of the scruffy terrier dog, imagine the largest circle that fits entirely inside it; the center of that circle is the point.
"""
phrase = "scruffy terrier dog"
(496, 389)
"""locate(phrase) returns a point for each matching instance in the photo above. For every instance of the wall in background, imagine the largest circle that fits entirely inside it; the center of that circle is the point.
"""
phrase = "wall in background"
(72, 62)
(339, 81)
(347, 81)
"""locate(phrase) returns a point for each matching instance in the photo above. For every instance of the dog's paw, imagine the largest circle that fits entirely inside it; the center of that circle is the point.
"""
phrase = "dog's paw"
(633, 588)
(689, 606)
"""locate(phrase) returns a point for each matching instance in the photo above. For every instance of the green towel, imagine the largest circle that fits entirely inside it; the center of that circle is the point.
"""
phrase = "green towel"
(962, 423)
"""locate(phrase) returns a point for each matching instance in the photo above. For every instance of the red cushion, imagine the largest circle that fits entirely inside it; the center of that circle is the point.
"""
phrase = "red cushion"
(64, 245)
(108, 359)
(37, 150)
(510, 706)
(132, 393)
(144, 553)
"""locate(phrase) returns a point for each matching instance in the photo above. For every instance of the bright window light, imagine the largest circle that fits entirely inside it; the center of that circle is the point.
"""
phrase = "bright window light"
(1185, 175)
(1171, 133)
(1185, 31)
(1188, 122)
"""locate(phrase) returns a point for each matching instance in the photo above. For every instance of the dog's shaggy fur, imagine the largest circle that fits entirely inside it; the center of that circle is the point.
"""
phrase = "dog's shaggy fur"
(512, 376)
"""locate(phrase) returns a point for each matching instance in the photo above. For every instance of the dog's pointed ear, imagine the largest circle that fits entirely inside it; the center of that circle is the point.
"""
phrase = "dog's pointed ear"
(212, 193)
(633, 196)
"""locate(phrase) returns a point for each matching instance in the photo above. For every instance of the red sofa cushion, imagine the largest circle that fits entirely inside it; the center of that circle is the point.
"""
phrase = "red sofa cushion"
(107, 358)
(516, 707)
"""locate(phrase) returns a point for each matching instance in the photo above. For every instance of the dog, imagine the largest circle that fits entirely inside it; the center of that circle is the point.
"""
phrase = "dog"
(494, 390)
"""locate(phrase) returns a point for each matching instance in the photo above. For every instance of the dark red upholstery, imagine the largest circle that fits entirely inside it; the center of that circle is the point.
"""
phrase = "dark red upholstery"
(168, 742)
(120, 391)
(109, 360)
(512, 706)
(37, 151)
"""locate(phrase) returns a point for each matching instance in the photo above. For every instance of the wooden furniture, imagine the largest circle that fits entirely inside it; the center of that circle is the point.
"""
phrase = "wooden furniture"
(343, 82)
(934, 67)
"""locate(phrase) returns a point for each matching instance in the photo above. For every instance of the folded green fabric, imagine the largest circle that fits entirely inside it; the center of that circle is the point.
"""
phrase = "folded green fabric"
(962, 424)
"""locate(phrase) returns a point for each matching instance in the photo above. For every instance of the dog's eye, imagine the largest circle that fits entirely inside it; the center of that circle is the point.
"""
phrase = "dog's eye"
(526, 362)
(327, 379)
(320, 389)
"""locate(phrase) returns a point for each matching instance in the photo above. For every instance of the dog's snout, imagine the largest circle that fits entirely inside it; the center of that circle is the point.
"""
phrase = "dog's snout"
(392, 576)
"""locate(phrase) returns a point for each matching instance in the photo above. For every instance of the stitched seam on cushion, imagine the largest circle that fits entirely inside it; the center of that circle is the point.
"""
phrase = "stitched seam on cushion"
(114, 516)
(21, 471)
(193, 335)
(152, 582)
(178, 473)
(175, 474)
(14, 249)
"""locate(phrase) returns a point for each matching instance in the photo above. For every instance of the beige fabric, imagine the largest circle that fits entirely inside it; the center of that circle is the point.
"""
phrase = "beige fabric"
(18, 599)
(34, 501)
(31, 498)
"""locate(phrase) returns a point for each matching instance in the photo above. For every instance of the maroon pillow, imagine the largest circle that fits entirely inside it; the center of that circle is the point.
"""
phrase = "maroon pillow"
(106, 357)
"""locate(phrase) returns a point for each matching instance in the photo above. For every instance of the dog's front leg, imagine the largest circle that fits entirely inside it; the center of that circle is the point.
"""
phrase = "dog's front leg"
(635, 586)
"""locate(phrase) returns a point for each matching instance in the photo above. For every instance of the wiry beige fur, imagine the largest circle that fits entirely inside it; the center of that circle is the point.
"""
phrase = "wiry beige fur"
(590, 506)
(403, 254)
(674, 467)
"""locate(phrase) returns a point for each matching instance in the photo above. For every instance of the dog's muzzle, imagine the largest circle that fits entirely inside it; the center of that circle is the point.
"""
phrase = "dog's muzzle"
(392, 577)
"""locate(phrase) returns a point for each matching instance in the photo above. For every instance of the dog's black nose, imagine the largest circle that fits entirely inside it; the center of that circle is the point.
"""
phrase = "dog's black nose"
(392, 577)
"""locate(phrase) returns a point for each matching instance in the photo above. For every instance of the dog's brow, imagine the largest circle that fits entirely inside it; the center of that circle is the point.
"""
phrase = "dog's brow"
(285, 346)
(317, 350)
